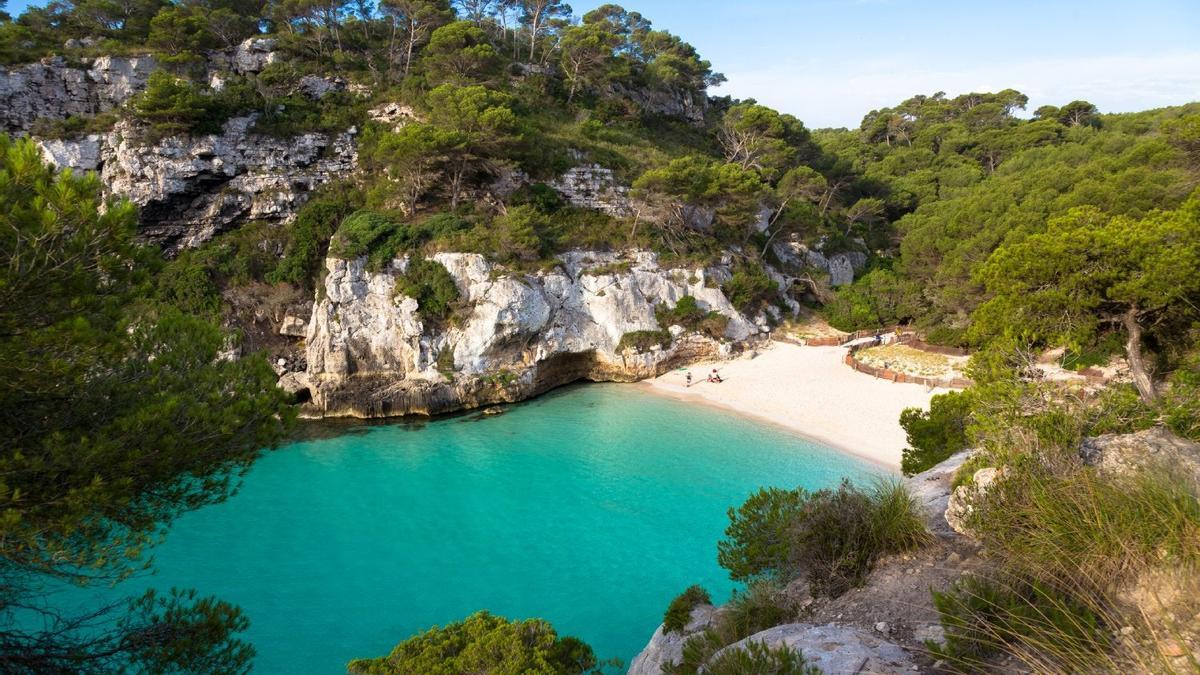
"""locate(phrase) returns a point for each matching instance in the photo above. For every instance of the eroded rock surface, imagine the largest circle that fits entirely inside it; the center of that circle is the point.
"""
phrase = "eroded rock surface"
(834, 649)
(372, 354)
(190, 188)
(665, 649)
(1155, 448)
(54, 89)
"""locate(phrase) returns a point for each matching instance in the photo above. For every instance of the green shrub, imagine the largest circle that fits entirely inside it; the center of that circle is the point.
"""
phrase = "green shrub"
(484, 644)
(758, 541)
(360, 233)
(1068, 523)
(1118, 410)
(644, 340)
(982, 617)
(879, 298)
(430, 284)
(936, 434)
(194, 279)
(309, 234)
(687, 313)
(833, 537)
(679, 612)
(748, 612)
(759, 659)
(74, 126)
(1181, 403)
(170, 105)
(749, 288)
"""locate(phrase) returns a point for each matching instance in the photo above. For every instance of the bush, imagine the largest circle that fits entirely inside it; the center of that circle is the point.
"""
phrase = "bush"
(936, 434)
(484, 644)
(687, 313)
(170, 106)
(748, 612)
(1181, 403)
(644, 340)
(879, 298)
(833, 537)
(679, 612)
(749, 288)
(430, 284)
(309, 234)
(361, 233)
(982, 617)
(759, 659)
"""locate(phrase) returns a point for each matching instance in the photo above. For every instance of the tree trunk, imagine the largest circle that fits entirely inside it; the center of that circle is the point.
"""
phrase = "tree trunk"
(1133, 350)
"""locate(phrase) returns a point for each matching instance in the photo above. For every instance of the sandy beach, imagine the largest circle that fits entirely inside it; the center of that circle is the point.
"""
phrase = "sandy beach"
(810, 391)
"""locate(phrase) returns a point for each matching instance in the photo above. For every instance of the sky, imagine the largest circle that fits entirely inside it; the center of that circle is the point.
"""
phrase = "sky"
(829, 62)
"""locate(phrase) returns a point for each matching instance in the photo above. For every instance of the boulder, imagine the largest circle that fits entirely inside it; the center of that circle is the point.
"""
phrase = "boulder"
(960, 505)
(932, 488)
(254, 54)
(834, 648)
(293, 326)
(665, 649)
(1125, 454)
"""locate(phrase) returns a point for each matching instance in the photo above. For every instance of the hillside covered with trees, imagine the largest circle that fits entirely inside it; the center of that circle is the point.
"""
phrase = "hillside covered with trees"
(971, 219)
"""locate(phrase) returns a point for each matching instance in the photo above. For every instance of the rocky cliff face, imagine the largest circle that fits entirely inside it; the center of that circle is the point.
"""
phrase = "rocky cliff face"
(192, 187)
(370, 353)
(53, 89)
(188, 187)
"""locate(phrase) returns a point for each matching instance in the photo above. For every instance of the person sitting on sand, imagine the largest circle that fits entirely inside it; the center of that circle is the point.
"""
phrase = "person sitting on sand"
(715, 377)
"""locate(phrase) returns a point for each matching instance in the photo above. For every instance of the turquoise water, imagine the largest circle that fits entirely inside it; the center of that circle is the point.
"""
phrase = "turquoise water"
(591, 507)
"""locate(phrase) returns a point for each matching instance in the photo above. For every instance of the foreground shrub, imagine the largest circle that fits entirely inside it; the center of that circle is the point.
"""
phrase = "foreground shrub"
(484, 644)
(759, 659)
(1091, 572)
(936, 434)
(833, 537)
(984, 617)
(756, 609)
(679, 612)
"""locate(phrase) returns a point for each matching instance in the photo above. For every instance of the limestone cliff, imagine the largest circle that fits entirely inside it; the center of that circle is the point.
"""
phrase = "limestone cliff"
(371, 354)
(191, 187)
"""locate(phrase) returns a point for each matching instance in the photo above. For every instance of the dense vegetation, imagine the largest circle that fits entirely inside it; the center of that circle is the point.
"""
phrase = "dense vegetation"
(1070, 229)
(483, 643)
(118, 416)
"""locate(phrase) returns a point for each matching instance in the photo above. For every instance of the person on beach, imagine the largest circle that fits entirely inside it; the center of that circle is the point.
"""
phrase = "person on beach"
(689, 378)
(714, 377)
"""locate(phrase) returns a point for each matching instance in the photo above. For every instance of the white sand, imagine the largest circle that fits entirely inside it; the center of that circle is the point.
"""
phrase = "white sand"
(810, 391)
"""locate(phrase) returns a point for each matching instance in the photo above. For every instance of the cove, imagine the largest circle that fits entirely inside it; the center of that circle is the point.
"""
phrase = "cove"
(590, 507)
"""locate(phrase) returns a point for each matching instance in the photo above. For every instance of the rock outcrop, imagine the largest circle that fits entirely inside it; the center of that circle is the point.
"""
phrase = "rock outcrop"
(591, 186)
(665, 649)
(190, 188)
(833, 648)
(841, 267)
(53, 89)
(372, 354)
(1154, 448)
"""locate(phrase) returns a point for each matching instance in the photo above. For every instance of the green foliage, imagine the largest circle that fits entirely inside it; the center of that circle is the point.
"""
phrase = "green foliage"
(1181, 403)
(644, 340)
(877, 299)
(759, 659)
(170, 105)
(194, 279)
(74, 126)
(679, 612)
(485, 644)
(309, 234)
(936, 434)
(120, 417)
(430, 284)
(688, 314)
(983, 617)
(749, 288)
(833, 537)
(747, 612)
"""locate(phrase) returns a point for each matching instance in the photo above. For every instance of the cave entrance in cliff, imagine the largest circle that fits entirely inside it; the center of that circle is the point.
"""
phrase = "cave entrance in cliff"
(303, 396)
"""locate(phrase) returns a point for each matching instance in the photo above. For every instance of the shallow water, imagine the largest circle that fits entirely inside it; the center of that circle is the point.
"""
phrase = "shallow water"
(590, 507)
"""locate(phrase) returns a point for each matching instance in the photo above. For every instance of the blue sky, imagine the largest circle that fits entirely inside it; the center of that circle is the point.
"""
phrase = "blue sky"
(830, 61)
